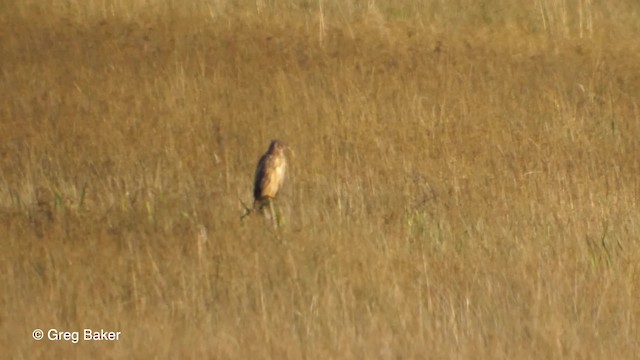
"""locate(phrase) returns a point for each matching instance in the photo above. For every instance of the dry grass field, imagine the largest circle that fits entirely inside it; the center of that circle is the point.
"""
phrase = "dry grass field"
(463, 182)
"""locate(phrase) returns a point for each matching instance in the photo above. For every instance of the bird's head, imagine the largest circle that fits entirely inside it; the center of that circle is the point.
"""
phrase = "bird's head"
(277, 147)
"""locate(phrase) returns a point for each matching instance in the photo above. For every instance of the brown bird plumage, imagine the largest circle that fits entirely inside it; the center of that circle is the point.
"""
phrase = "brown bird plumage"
(270, 173)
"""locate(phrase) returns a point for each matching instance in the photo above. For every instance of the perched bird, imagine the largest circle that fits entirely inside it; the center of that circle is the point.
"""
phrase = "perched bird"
(269, 174)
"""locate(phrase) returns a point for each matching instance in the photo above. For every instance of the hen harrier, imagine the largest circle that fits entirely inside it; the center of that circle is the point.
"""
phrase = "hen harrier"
(269, 178)
(269, 174)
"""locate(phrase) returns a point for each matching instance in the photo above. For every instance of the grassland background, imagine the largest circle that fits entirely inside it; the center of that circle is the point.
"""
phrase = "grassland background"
(464, 182)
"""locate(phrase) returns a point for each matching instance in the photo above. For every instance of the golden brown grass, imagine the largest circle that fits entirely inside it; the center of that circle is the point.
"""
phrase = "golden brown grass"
(464, 185)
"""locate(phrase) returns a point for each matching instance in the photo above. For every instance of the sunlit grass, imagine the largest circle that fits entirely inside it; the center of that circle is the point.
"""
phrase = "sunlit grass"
(464, 181)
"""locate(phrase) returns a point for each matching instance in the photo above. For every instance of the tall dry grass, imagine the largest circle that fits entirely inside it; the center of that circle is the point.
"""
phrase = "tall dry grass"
(464, 184)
